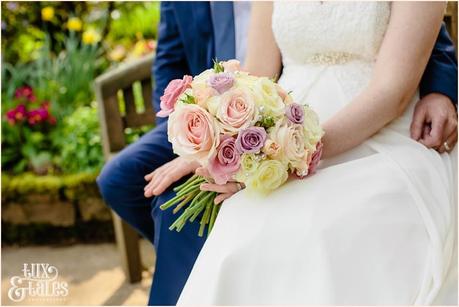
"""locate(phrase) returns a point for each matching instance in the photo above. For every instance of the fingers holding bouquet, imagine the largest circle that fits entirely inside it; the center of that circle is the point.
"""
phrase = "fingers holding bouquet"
(225, 190)
(161, 178)
(245, 131)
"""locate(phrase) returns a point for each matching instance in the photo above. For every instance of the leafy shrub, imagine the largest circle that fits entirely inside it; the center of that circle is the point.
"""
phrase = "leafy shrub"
(80, 142)
(130, 20)
(28, 183)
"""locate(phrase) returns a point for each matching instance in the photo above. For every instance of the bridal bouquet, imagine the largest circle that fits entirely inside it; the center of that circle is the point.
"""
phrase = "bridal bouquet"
(240, 127)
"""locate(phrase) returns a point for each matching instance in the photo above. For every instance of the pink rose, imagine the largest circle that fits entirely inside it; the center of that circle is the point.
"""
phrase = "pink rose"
(192, 132)
(225, 162)
(174, 89)
(232, 66)
(235, 110)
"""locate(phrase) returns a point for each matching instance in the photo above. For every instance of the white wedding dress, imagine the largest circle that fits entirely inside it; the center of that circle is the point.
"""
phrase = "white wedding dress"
(376, 225)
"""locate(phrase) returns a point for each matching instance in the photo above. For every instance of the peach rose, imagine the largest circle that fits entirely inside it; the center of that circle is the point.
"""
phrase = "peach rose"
(174, 89)
(231, 65)
(286, 98)
(203, 93)
(193, 132)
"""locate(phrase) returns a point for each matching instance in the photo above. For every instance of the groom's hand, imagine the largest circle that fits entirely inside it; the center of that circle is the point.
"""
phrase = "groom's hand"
(435, 122)
(161, 178)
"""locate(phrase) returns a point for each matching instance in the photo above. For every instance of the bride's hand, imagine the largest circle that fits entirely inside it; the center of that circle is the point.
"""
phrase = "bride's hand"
(162, 177)
(226, 190)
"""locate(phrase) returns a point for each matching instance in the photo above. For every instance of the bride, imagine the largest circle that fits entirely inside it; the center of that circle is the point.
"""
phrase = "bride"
(377, 223)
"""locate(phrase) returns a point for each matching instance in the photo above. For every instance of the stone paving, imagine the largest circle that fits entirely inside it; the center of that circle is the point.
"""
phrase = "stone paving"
(92, 272)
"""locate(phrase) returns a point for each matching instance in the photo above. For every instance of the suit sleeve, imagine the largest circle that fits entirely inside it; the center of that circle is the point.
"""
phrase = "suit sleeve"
(440, 75)
(170, 62)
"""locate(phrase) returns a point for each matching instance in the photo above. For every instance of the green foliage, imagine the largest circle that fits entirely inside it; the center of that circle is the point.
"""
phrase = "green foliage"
(60, 65)
(66, 80)
(80, 143)
(134, 19)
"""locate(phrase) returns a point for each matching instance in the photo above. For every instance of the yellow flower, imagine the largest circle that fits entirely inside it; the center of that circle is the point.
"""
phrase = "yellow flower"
(91, 37)
(74, 24)
(47, 13)
(269, 175)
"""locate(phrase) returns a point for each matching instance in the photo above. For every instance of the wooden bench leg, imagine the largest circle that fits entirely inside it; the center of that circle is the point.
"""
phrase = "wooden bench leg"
(127, 240)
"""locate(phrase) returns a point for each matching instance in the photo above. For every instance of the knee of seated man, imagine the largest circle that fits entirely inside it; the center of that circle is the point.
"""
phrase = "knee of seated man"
(117, 174)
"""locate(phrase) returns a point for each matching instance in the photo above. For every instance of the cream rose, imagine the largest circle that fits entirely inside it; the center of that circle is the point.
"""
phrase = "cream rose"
(268, 98)
(313, 132)
(269, 175)
(290, 138)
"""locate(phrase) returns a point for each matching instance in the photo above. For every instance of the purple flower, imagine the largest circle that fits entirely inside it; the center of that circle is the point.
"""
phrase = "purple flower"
(221, 82)
(251, 140)
(295, 113)
(225, 162)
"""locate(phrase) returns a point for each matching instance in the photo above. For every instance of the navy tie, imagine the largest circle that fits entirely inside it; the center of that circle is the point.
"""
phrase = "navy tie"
(223, 23)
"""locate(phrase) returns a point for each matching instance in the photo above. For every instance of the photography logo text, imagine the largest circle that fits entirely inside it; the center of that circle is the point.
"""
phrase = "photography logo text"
(39, 281)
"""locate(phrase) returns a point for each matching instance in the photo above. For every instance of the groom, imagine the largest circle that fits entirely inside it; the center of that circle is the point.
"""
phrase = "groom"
(191, 34)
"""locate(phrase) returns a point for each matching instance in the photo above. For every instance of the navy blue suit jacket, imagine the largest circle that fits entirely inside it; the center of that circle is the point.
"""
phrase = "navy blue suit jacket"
(186, 46)
(440, 75)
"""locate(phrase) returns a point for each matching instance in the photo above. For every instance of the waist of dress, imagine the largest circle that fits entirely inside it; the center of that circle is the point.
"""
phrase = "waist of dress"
(333, 58)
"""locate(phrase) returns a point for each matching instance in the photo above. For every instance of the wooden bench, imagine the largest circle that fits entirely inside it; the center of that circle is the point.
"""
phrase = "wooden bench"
(113, 124)
(451, 21)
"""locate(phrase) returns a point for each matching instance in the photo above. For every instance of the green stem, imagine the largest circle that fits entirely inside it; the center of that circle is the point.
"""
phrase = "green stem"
(184, 202)
(213, 217)
(189, 181)
(171, 202)
(205, 218)
(189, 189)
(201, 206)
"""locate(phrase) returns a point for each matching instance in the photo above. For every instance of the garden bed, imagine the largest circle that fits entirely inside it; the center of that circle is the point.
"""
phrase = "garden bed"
(53, 209)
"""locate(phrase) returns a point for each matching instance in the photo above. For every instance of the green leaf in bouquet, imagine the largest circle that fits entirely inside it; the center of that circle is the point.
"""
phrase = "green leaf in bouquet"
(218, 66)
(266, 122)
(189, 99)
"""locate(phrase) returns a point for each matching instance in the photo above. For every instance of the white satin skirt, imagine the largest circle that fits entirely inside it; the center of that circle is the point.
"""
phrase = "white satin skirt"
(375, 225)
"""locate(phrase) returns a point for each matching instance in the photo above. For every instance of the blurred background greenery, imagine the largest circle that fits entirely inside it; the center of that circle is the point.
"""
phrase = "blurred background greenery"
(51, 53)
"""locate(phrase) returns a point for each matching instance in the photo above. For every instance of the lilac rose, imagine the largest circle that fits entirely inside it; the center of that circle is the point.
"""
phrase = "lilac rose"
(295, 113)
(225, 162)
(221, 82)
(251, 140)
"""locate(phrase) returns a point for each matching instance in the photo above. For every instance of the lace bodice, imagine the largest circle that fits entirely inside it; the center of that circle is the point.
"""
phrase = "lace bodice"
(324, 31)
